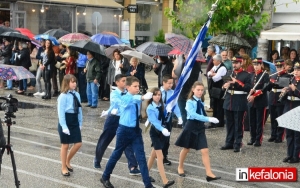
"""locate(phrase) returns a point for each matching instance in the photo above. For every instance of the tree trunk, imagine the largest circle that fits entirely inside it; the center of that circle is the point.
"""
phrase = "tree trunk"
(262, 44)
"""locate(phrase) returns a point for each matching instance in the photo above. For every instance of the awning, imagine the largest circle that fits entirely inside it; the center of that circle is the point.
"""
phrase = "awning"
(284, 32)
(97, 3)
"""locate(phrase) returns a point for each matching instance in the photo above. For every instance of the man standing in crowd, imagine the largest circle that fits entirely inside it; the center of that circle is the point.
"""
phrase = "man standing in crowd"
(211, 51)
(226, 61)
(235, 105)
(215, 88)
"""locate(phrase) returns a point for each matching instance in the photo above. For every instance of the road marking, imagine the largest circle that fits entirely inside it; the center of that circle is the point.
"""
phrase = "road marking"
(94, 144)
(43, 177)
(99, 171)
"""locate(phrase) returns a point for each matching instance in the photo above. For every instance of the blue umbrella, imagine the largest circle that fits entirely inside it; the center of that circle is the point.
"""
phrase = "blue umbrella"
(46, 37)
(271, 65)
(106, 39)
(125, 41)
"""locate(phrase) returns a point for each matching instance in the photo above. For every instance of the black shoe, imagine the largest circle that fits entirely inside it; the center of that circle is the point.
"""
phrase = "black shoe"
(169, 184)
(46, 97)
(285, 160)
(55, 94)
(226, 147)
(257, 144)
(271, 139)
(70, 169)
(293, 160)
(211, 127)
(181, 175)
(237, 150)
(250, 143)
(65, 174)
(152, 179)
(278, 141)
(211, 178)
(166, 161)
(106, 183)
(88, 105)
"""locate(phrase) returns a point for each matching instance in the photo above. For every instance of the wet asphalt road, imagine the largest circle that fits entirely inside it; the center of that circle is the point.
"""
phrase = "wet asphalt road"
(36, 147)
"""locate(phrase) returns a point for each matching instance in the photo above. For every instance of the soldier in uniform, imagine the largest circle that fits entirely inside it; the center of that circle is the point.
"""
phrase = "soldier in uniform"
(235, 105)
(257, 103)
(275, 107)
(293, 101)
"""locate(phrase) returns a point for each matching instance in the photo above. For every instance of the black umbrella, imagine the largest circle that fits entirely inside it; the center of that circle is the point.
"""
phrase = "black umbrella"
(85, 46)
(15, 35)
(6, 29)
(57, 33)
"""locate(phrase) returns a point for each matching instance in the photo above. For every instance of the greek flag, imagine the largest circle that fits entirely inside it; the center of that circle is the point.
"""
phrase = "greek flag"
(172, 101)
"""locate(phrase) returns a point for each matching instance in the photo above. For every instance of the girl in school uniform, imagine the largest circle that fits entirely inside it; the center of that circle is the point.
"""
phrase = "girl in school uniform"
(70, 122)
(193, 135)
(158, 134)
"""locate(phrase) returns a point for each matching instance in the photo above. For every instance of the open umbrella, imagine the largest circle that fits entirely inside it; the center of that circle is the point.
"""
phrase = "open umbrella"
(6, 29)
(11, 72)
(230, 41)
(121, 47)
(141, 56)
(175, 52)
(270, 65)
(84, 46)
(57, 33)
(290, 119)
(154, 48)
(15, 35)
(47, 37)
(106, 39)
(26, 32)
(74, 37)
(111, 33)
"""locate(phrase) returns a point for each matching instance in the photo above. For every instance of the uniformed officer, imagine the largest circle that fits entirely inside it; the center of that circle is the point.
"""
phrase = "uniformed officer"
(293, 101)
(275, 107)
(258, 101)
(235, 105)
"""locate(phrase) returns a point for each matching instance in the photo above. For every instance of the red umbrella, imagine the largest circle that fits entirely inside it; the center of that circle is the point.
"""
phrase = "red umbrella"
(26, 32)
(175, 52)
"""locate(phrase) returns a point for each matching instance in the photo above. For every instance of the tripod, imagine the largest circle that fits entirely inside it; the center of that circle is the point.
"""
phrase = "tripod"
(8, 146)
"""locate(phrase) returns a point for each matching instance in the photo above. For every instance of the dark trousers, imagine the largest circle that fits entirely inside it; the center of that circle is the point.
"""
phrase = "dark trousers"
(104, 90)
(47, 80)
(276, 132)
(128, 136)
(82, 84)
(165, 149)
(181, 104)
(108, 134)
(61, 74)
(218, 112)
(234, 127)
(293, 143)
(211, 100)
(54, 79)
(257, 123)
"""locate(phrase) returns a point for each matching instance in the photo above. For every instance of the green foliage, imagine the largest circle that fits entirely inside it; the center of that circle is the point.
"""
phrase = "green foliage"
(241, 17)
(160, 37)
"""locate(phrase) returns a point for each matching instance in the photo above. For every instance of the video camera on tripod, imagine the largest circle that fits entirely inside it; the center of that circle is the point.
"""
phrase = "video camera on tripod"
(9, 106)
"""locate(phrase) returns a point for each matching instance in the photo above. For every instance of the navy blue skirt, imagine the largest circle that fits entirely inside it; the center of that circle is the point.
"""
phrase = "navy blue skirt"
(73, 126)
(192, 136)
(157, 138)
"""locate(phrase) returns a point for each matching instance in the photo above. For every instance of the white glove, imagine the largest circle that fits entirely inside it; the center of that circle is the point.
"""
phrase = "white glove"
(147, 123)
(169, 108)
(80, 127)
(104, 113)
(165, 132)
(66, 131)
(114, 111)
(148, 95)
(180, 121)
(213, 120)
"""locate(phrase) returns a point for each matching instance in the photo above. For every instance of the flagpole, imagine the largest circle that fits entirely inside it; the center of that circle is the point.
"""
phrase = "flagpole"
(190, 61)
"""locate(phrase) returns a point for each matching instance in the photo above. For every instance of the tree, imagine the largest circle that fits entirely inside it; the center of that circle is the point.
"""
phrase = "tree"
(241, 17)
(160, 37)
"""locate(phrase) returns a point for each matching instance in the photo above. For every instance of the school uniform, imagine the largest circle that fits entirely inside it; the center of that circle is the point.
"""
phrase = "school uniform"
(109, 132)
(293, 137)
(165, 97)
(193, 134)
(157, 118)
(257, 109)
(69, 117)
(235, 106)
(128, 133)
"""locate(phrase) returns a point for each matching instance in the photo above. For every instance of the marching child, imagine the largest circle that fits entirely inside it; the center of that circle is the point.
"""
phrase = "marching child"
(158, 134)
(193, 135)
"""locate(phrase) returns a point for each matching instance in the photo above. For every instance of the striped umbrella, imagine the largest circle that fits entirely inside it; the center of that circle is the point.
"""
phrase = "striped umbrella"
(230, 41)
(154, 48)
(73, 37)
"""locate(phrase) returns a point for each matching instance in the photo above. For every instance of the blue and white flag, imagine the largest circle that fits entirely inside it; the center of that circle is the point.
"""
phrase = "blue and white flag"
(172, 101)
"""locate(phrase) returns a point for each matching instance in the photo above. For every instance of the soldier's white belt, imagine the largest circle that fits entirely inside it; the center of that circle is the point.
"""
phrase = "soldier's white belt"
(292, 98)
(276, 90)
(233, 92)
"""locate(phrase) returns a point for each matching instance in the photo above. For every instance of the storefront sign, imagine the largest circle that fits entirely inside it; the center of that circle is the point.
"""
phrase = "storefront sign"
(132, 8)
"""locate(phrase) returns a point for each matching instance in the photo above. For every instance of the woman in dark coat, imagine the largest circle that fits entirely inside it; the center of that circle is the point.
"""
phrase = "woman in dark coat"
(23, 59)
(138, 70)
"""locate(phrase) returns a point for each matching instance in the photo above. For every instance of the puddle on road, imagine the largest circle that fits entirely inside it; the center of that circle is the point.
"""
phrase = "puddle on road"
(27, 105)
